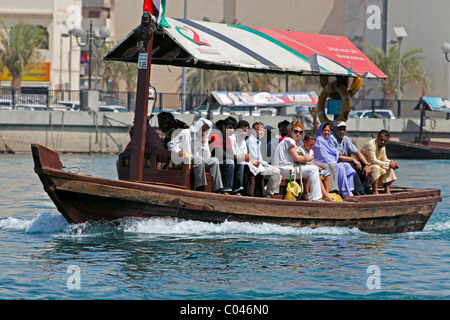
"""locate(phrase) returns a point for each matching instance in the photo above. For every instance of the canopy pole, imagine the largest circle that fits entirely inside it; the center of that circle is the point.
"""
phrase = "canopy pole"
(145, 45)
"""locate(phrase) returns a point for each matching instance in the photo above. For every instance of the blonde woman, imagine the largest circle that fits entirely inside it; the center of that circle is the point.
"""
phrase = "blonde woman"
(286, 156)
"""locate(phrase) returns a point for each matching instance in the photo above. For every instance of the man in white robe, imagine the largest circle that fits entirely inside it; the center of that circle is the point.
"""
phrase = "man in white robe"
(192, 145)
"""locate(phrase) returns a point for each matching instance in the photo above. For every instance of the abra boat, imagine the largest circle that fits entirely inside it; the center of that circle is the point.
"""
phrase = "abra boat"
(82, 198)
(150, 186)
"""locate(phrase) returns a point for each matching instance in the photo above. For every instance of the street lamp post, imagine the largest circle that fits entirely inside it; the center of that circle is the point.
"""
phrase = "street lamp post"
(92, 36)
(400, 33)
(446, 50)
(183, 71)
(63, 35)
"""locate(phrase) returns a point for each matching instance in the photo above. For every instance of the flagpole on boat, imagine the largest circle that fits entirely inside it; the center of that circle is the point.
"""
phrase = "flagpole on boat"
(145, 46)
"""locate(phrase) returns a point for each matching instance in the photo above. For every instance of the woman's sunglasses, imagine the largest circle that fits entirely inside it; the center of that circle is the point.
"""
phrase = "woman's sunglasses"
(298, 131)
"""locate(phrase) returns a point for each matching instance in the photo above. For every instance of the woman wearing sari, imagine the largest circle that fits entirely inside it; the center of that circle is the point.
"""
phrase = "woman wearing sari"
(325, 153)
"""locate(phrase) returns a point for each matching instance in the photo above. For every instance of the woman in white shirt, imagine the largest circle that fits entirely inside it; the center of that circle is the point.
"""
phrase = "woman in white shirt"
(286, 156)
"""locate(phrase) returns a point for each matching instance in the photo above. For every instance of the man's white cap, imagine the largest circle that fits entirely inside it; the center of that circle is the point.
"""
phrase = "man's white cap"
(340, 124)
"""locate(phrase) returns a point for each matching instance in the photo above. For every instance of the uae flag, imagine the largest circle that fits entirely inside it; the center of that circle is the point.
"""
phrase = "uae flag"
(157, 8)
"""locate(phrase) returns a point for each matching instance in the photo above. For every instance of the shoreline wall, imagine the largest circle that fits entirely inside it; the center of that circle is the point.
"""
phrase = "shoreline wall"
(107, 132)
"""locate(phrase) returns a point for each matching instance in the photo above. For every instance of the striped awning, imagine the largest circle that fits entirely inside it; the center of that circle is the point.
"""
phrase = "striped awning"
(219, 46)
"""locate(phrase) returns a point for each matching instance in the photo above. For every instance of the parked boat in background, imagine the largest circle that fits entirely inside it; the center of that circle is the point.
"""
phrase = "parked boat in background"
(423, 147)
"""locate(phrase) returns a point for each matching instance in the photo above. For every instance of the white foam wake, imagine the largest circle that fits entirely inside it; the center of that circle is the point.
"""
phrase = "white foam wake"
(161, 226)
(54, 223)
(47, 222)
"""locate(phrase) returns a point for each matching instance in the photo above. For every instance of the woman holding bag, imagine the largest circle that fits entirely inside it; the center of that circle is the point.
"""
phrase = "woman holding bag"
(286, 157)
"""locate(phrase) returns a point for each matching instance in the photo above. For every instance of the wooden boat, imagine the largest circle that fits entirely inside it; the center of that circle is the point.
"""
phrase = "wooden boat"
(423, 147)
(82, 198)
(148, 186)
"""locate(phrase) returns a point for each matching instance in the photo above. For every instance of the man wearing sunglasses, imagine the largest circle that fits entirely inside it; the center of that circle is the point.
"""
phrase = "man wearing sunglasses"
(349, 153)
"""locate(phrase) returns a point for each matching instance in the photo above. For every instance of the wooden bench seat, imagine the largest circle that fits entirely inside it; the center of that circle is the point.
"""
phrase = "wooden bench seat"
(159, 168)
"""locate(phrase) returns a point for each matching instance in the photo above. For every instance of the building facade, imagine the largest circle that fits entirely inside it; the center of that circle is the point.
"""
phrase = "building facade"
(362, 21)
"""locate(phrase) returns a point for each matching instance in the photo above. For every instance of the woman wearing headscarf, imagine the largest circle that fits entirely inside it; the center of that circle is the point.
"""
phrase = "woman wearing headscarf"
(325, 153)
(193, 144)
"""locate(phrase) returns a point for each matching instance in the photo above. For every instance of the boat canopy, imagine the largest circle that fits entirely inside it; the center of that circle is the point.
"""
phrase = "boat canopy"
(219, 46)
(433, 104)
(264, 99)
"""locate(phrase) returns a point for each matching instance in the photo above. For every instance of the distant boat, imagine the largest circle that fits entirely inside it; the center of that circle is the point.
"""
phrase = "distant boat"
(422, 148)
(410, 150)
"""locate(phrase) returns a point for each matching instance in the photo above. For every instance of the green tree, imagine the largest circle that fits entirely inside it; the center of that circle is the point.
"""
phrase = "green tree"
(411, 72)
(214, 80)
(217, 80)
(114, 71)
(20, 49)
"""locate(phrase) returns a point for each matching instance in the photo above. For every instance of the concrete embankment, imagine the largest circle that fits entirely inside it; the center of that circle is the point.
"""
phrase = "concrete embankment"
(107, 132)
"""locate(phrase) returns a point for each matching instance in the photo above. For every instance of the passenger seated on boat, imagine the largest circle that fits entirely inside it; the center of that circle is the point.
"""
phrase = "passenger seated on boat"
(191, 146)
(215, 140)
(287, 158)
(168, 124)
(283, 126)
(275, 138)
(349, 153)
(381, 168)
(324, 152)
(260, 168)
(309, 141)
(228, 164)
(152, 138)
(241, 155)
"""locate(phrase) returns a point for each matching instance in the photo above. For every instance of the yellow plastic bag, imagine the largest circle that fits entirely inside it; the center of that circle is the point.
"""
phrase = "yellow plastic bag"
(293, 189)
(335, 196)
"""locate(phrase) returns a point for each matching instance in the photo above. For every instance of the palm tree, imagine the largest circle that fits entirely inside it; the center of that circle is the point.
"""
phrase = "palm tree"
(19, 49)
(304, 83)
(412, 71)
(263, 82)
(230, 81)
(115, 71)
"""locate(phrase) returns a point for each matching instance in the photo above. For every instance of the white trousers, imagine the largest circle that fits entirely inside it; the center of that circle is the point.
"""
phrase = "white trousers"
(310, 172)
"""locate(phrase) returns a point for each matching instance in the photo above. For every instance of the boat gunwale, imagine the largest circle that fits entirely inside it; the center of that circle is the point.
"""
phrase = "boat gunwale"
(412, 196)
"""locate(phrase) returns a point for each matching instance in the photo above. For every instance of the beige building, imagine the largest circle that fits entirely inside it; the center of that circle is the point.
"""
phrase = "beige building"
(426, 23)
(329, 18)
(51, 15)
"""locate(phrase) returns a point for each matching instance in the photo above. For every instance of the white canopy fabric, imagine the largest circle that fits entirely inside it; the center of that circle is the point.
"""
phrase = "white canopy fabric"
(212, 45)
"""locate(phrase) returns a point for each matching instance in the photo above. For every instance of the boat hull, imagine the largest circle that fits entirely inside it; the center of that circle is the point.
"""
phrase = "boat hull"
(408, 150)
(82, 198)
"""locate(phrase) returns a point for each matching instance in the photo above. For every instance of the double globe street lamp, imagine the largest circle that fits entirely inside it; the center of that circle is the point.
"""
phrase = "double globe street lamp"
(96, 36)
(446, 50)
